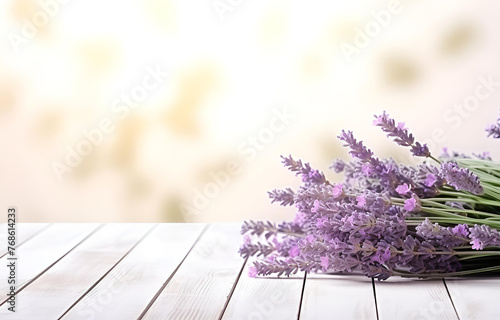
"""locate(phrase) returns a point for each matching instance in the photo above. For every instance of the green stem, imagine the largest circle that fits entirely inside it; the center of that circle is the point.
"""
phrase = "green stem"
(448, 274)
(477, 253)
(452, 210)
(475, 257)
(416, 220)
(430, 156)
(462, 198)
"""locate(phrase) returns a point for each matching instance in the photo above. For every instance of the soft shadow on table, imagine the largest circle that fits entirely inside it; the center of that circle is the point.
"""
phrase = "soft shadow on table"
(327, 277)
(282, 278)
(391, 281)
(489, 276)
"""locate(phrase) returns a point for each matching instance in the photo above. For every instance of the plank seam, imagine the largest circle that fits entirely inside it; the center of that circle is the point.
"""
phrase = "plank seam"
(451, 299)
(302, 295)
(148, 232)
(52, 264)
(155, 297)
(375, 298)
(232, 289)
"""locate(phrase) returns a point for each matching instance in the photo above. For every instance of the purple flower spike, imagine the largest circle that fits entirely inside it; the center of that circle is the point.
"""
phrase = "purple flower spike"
(284, 197)
(358, 150)
(460, 178)
(401, 135)
(484, 236)
(309, 175)
(494, 130)
(338, 165)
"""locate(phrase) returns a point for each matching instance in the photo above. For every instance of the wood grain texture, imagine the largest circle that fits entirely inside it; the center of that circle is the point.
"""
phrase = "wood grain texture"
(204, 280)
(265, 298)
(338, 297)
(36, 256)
(129, 287)
(401, 298)
(58, 288)
(475, 298)
(24, 232)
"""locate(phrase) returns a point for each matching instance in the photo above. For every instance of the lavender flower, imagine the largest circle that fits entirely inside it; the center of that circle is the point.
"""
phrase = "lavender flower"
(338, 165)
(358, 150)
(294, 251)
(282, 267)
(430, 179)
(259, 227)
(494, 130)
(401, 135)
(443, 236)
(324, 262)
(372, 221)
(308, 174)
(284, 197)
(460, 178)
(258, 249)
(403, 188)
(338, 191)
(457, 155)
(483, 156)
(412, 204)
(386, 172)
(484, 236)
(252, 272)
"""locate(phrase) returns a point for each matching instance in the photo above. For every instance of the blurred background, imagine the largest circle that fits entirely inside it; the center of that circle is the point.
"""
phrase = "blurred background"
(173, 111)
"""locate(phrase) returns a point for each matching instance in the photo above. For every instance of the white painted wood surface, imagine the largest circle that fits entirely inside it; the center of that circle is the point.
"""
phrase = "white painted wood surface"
(187, 271)
(23, 233)
(128, 288)
(61, 286)
(42, 251)
(475, 298)
(402, 298)
(338, 297)
(204, 280)
(265, 298)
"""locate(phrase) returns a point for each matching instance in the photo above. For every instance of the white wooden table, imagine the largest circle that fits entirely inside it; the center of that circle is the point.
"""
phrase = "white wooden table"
(193, 271)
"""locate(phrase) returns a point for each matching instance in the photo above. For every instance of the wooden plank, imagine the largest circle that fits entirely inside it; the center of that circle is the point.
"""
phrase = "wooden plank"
(475, 298)
(201, 285)
(24, 233)
(36, 256)
(338, 297)
(128, 288)
(402, 298)
(58, 288)
(265, 298)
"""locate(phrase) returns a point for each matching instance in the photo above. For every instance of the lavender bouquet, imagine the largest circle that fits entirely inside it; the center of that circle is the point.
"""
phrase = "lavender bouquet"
(439, 218)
